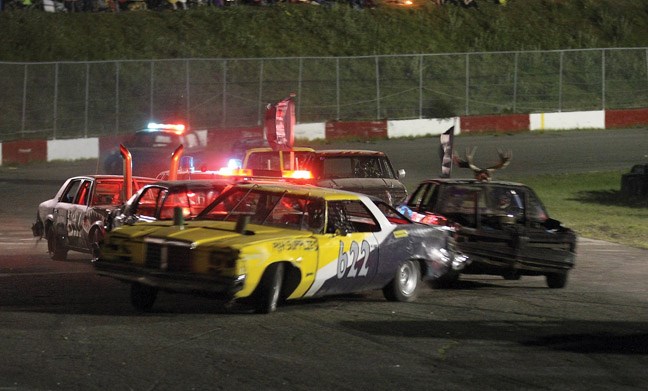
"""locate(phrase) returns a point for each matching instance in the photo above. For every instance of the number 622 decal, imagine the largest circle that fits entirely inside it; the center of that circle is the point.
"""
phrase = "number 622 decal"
(355, 262)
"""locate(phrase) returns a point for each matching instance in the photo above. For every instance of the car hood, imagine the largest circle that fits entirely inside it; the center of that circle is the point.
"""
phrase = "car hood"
(207, 233)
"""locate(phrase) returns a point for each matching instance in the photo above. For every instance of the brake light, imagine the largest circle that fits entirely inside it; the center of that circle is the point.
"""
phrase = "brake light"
(176, 128)
(297, 174)
(229, 171)
(433, 219)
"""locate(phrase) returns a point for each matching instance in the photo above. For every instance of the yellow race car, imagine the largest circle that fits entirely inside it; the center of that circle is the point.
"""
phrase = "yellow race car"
(262, 243)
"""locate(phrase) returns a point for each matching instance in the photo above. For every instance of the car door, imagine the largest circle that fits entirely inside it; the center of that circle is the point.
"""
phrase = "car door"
(70, 212)
(545, 245)
(348, 249)
(480, 229)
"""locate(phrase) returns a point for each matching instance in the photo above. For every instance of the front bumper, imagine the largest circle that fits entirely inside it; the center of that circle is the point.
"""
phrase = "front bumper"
(225, 287)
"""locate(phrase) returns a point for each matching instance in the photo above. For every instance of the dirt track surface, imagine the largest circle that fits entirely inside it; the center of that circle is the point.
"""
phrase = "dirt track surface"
(63, 327)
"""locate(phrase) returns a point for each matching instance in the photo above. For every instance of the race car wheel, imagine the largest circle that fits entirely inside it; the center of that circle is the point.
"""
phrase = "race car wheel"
(405, 285)
(143, 296)
(266, 295)
(556, 280)
(94, 238)
(55, 245)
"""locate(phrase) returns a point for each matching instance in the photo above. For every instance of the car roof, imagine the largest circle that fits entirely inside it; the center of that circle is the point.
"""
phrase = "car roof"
(194, 183)
(471, 181)
(268, 149)
(304, 190)
(112, 177)
(347, 152)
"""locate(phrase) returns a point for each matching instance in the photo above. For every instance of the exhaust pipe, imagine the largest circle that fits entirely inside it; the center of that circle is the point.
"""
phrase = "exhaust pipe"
(175, 163)
(178, 217)
(128, 172)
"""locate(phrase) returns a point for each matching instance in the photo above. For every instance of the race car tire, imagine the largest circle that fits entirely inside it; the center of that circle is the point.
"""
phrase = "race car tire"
(143, 296)
(556, 280)
(405, 285)
(55, 245)
(94, 238)
(266, 295)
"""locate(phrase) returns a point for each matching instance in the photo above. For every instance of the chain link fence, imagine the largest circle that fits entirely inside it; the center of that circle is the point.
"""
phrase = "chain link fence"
(60, 100)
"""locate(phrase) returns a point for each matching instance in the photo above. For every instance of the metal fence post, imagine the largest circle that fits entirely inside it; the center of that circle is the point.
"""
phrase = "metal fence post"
(87, 101)
(116, 97)
(420, 86)
(24, 102)
(337, 87)
(515, 77)
(55, 113)
(603, 79)
(151, 84)
(260, 99)
(377, 87)
(188, 95)
(467, 83)
(224, 108)
(560, 80)
(299, 89)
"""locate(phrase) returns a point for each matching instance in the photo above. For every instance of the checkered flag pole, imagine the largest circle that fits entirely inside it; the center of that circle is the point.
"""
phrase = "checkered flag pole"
(446, 139)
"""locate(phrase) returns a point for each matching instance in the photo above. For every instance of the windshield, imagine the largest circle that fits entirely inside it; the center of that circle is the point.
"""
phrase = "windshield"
(159, 202)
(333, 167)
(270, 208)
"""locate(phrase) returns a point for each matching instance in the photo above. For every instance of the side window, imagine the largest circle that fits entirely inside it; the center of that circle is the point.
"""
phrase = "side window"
(388, 170)
(350, 216)
(191, 140)
(69, 195)
(107, 193)
(457, 203)
(147, 203)
(84, 193)
(428, 203)
(535, 209)
(392, 214)
(504, 201)
(367, 167)
(263, 161)
(162, 141)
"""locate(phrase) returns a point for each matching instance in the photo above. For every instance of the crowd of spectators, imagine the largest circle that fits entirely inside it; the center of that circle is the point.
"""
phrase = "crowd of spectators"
(124, 5)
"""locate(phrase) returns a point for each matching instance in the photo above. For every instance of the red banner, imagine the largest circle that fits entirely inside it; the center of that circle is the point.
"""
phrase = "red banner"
(280, 124)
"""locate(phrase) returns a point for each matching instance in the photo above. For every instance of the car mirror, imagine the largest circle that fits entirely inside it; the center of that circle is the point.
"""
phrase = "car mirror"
(401, 173)
(130, 220)
(341, 232)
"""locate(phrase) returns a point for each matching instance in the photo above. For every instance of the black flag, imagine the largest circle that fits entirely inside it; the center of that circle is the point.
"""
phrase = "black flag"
(446, 139)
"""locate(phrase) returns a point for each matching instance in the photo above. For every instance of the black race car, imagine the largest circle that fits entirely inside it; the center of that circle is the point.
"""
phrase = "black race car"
(503, 227)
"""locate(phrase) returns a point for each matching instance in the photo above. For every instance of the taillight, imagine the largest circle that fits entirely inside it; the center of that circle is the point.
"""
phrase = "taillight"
(433, 219)
(297, 174)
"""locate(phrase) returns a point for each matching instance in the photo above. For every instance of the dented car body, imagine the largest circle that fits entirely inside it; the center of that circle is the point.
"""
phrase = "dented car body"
(260, 244)
(503, 227)
(75, 218)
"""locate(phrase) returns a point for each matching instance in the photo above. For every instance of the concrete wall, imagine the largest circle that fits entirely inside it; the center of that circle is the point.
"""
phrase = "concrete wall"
(25, 151)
